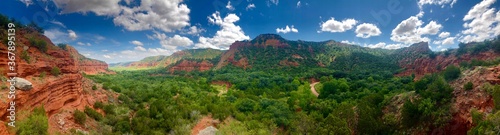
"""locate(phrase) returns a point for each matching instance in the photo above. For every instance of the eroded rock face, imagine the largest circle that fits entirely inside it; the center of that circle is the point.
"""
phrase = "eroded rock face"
(23, 84)
(55, 93)
(426, 65)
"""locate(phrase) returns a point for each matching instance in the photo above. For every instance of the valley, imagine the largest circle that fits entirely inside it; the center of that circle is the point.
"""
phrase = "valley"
(266, 85)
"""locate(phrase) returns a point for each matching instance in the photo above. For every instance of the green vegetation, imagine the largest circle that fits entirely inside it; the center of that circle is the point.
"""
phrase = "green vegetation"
(94, 87)
(55, 71)
(451, 73)
(468, 86)
(39, 43)
(25, 56)
(35, 124)
(62, 46)
(92, 113)
(79, 117)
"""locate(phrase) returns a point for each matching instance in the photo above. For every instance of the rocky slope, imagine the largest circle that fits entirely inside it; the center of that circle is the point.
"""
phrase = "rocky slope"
(56, 92)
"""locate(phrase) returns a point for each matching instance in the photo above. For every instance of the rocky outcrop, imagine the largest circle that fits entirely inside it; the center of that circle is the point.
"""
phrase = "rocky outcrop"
(23, 84)
(414, 61)
(187, 65)
(86, 65)
(64, 91)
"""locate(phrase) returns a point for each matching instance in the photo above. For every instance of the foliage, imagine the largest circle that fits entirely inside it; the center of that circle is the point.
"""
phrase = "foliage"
(79, 117)
(94, 87)
(35, 124)
(98, 105)
(55, 71)
(39, 43)
(25, 56)
(451, 73)
(62, 46)
(468, 86)
(92, 113)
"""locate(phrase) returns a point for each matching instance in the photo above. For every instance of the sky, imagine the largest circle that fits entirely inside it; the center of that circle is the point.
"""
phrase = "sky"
(130, 30)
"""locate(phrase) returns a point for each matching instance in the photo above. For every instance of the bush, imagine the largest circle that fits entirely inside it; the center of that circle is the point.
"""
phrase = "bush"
(468, 86)
(98, 105)
(92, 113)
(451, 73)
(55, 71)
(109, 109)
(42, 75)
(36, 124)
(62, 46)
(80, 117)
(94, 87)
(40, 44)
(25, 56)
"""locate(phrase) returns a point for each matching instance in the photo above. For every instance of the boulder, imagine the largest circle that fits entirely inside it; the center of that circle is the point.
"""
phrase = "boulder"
(208, 131)
(23, 84)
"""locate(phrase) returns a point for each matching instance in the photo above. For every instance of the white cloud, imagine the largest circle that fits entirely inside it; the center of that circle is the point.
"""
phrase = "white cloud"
(107, 56)
(140, 48)
(286, 30)
(275, 2)
(431, 29)
(58, 23)
(335, 26)
(250, 6)
(385, 46)
(193, 30)
(481, 22)
(58, 36)
(411, 31)
(83, 44)
(99, 7)
(228, 33)
(349, 42)
(441, 3)
(137, 43)
(449, 41)
(27, 2)
(298, 4)
(171, 43)
(444, 34)
(80, 43)
(229, 6)
(367, 30)
(72, 35)
(164, 15)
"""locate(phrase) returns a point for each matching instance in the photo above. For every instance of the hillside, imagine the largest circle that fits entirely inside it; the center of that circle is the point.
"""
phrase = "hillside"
(165, 61)
(56, 76)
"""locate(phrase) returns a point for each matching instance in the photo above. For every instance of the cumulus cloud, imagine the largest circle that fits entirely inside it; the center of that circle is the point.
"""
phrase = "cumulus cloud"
(384, 45)
(229, 6)
(228, 33)
(333, 25)
(99, 7)
(250, 6)
(348, 42)
(164, 15)
(441, 3)
(137, 43)
(444, 34)
(367, 30)
(411, 31)
(481, 22)
(171, 43)
(286, 30)
(72, 35)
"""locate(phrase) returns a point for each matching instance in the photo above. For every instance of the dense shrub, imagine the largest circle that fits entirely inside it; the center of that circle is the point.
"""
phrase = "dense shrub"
(55, 71)
(92, 113)
(38, 43)
(94, 87)
(98, 105)
(25, 56)
(109, 109)
(80, 117)
(36, 124)
(451, 73)
(468, 86)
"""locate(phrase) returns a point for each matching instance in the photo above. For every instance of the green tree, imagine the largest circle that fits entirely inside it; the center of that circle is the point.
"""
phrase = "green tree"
(80, 117)
(451, 72)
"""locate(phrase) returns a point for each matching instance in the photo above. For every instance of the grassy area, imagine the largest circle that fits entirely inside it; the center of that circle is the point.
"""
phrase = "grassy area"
(221, 88)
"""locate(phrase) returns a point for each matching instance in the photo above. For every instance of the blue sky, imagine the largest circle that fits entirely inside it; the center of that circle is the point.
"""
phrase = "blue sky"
(129, 30)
